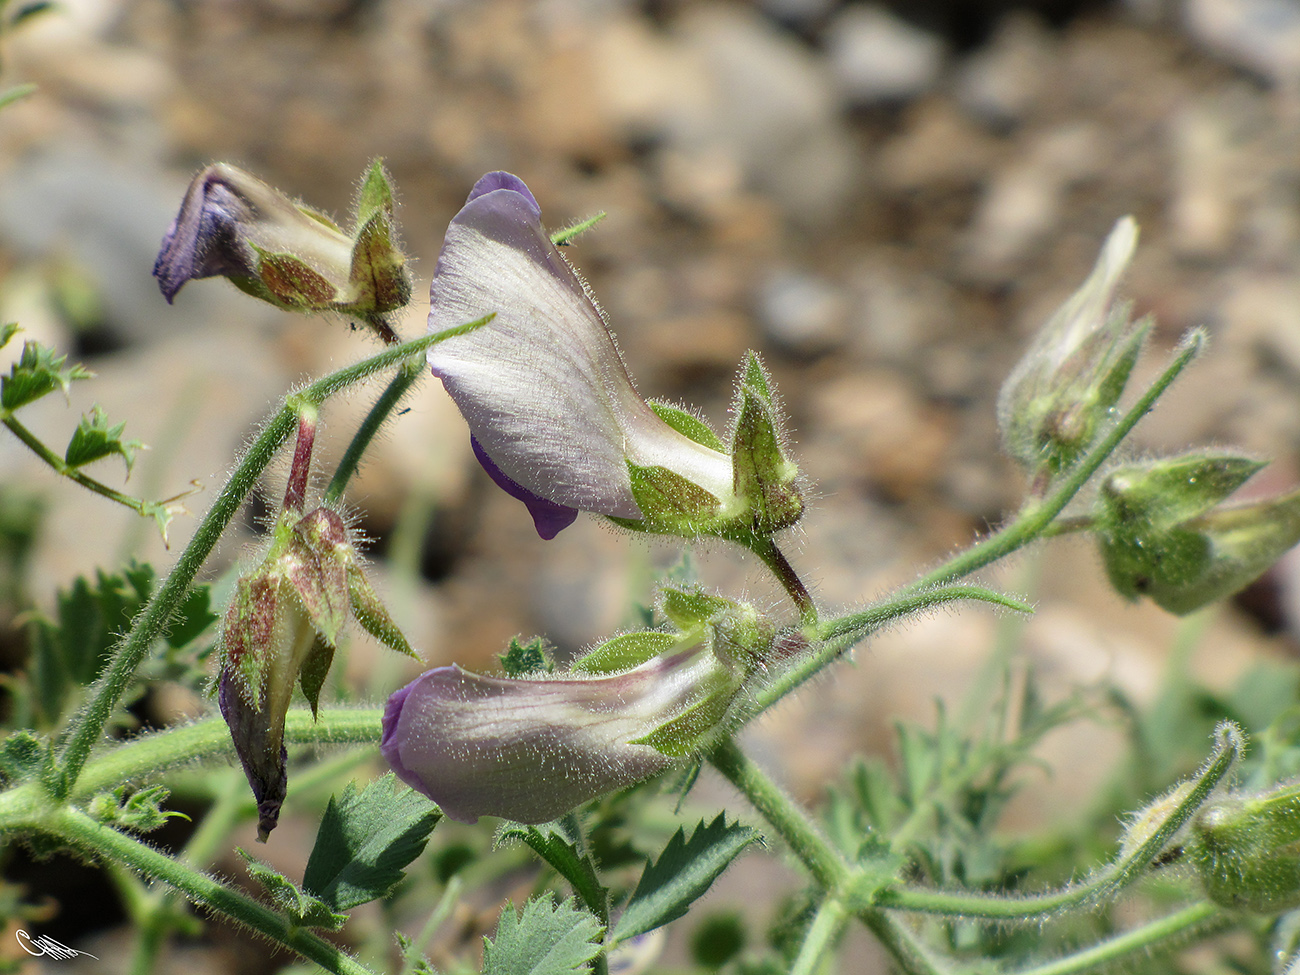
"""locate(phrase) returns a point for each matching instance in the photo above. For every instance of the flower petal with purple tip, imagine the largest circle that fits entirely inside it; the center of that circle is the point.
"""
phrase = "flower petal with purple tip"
(542, 385)
(533, 749)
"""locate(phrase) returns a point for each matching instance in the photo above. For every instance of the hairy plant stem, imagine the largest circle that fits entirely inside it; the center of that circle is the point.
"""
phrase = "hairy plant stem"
(91, 838)
(837, 878)
(401, 384)
(813, 850)
(146, 509)
(775, 560)
(1121, 873)
(833, 637)
(820, 938)
(1196, 919)
(87, 726)
(1035, 517)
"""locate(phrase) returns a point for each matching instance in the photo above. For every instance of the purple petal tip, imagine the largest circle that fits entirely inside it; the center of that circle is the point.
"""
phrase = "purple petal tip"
(549, 518)
(503, 181)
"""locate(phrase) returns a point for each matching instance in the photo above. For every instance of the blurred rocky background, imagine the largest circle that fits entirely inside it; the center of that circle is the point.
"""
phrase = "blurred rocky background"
(886, 200)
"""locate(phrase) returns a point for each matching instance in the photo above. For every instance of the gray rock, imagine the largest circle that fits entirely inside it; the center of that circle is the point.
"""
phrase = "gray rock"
(1260, 35)
(801, 312)
(876, 57)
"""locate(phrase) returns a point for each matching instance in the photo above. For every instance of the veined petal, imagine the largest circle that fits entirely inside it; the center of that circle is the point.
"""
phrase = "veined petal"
(531, 750)
(543, 386)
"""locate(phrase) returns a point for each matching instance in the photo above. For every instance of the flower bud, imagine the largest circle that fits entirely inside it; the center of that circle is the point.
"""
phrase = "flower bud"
(1246, 851)
(233, 225)
(282, 627)
(1163, 535)
(1056, 402)
(532, 749)
(554, 417)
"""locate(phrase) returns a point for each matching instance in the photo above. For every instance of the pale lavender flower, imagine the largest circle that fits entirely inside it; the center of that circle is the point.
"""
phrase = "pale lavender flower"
(533, 749)
(554, 415)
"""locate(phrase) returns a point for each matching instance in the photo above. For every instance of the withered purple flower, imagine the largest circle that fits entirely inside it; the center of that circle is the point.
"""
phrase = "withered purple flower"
(233, 225)
(555, 418)
(282, 627)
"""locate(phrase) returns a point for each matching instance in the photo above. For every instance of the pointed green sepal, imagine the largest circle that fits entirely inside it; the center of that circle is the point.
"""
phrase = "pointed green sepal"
(688, 425)
(1166, 493)
(314, 671)
(1174, 546)
(378, 281)
(373, 615)
(624, 652)
(316, 562)
(763, 477)
(669, 502)
(690, 608)
(7, 331)
(376, 196)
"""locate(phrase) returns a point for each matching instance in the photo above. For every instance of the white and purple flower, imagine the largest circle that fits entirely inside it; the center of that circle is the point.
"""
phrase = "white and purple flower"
(533, 749)
(555, 418)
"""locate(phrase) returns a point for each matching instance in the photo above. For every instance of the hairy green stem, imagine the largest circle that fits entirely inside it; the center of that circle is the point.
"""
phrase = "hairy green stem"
(775, 560)
(1034, 519)
(821, 936)
(401, 384)
(1124, 871)
(140, 506)
(833, 637)
(912, 957)
(1197, 919)
(94, 839)
(822, 860)
(87, 726)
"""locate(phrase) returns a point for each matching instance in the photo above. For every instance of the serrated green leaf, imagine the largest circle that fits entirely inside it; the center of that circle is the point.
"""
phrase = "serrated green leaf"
(684, 871)
(364, 841)
(303, 909)
(140, 811)
(526, 658)
(546, 939)
(39, 370)
(565, 854)
(22, 755)
(192, 618)
(95, 439)
(69, 650)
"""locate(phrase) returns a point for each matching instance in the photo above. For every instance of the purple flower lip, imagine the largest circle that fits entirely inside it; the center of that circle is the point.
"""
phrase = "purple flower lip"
(531, 750)
(543, 387)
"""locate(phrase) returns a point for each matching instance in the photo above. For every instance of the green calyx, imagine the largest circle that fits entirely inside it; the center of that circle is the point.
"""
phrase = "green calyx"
(1163, 532)
(1246, 851)
(765, 496)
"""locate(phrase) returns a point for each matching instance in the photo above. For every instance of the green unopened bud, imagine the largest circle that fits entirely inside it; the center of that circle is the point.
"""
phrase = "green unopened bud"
(1058, 400)
(764, 477)
(1161, 534)
(1246, 851)
(282, 628)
